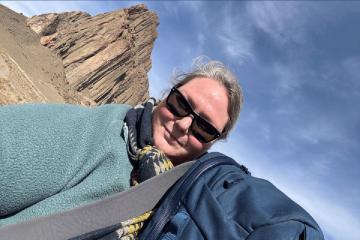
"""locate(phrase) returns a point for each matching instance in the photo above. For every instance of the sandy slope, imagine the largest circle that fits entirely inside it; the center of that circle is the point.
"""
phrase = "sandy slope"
(29, 72)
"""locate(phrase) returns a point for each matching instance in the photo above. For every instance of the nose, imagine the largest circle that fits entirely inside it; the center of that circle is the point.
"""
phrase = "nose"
(184, 123)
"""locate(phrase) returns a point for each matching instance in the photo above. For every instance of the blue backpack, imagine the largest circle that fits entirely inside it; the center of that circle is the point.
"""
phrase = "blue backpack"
(218, 199)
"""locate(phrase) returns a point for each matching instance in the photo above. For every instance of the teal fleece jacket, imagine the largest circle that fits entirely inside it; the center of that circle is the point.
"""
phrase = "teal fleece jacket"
(55, 157)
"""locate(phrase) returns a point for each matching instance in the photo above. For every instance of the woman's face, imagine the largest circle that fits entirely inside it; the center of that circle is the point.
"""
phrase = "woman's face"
(172, 134)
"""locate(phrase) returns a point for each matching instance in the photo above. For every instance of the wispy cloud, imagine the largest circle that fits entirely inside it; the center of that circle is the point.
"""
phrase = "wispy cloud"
(286, 79)
(193, 8)
(282, 20)
(201, 39)
(197, 10)
(286, 110)
(169, 8)
(321, 130)
(235, 35)
(352, 68)
(342, 77)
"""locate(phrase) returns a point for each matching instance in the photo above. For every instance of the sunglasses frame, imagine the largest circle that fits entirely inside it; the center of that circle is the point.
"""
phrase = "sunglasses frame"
(190, 111)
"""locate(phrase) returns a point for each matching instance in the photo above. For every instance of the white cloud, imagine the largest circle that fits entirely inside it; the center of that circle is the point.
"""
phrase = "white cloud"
(235, 35)
(284, 21)
(195, 10)
(236, 46)
(250, 116)
(286, 110)
(171, 8)
(320, 131)
(341, 78)
(351, 68)
(195, 6)
(286, 77)
(201, 38)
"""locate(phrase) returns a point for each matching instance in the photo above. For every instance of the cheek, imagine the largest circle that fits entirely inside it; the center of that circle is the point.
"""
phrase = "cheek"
(196, 146)
(161, 118)
(164, 115)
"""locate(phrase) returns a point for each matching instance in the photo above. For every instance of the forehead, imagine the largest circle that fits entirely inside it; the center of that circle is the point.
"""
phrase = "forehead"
(209, 98)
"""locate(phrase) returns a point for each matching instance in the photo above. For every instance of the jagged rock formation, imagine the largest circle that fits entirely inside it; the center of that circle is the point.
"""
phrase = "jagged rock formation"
(84, 59)
(106, 57)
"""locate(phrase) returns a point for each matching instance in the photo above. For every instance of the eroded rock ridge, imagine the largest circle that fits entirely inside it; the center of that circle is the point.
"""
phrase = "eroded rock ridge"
(105, 58)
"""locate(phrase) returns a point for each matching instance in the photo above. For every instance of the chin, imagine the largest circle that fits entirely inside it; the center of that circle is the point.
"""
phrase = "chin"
(178, 158)
(172, 153)
(176, 154)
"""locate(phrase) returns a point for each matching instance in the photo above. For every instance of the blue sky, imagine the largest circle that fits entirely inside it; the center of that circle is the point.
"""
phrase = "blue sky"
(299, 67)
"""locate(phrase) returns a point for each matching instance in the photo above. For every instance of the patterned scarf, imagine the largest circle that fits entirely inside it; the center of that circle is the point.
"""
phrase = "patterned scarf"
(147, 160)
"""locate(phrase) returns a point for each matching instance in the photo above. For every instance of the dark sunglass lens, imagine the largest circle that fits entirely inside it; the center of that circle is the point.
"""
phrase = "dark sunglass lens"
(200, 128)
(204, 129)
(178, 103)
(172, 104)
(183, 104)
(200, 137)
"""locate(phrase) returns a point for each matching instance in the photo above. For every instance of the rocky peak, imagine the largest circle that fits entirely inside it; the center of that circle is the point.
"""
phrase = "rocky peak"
(105, 57)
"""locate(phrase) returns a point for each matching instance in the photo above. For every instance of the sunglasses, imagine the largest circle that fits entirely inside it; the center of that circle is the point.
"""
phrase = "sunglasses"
(180, 107)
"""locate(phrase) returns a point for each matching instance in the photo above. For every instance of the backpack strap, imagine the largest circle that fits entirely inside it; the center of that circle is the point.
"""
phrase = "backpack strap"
(101, 214)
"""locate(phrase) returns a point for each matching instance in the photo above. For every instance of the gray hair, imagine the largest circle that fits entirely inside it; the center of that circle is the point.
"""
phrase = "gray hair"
(218, 71)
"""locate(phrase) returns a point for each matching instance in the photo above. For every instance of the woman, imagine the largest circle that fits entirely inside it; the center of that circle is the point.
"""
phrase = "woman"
(56, 157)
(201, 108)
